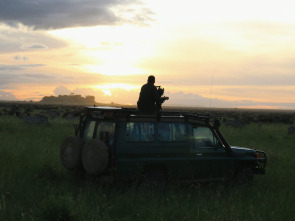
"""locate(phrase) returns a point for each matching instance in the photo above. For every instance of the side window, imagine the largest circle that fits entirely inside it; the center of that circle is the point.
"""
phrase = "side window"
(164, 132)
(203, 137)
(140, 131)
(147, 131)
(171, 132)
(88, 130)
(105, 132)
(178, 132)
(133, 131)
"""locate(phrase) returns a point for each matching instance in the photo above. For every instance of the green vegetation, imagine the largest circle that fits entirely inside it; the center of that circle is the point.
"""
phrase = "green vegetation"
(34, 185)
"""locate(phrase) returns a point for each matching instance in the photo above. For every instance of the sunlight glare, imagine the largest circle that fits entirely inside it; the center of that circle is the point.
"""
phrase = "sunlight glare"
(110, 50)
(107, 92)
(108, 87)
(113, 69)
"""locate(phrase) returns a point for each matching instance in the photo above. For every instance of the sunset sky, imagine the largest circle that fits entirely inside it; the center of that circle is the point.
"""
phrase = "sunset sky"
(204, 53)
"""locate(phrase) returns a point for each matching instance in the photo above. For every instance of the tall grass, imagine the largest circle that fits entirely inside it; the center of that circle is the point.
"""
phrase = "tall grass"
(34, 186)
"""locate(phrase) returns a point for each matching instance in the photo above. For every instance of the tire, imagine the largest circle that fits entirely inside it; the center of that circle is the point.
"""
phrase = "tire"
(71, 153)
(95, 157)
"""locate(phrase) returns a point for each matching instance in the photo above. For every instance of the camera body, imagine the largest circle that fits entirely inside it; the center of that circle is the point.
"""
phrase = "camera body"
(162, 99)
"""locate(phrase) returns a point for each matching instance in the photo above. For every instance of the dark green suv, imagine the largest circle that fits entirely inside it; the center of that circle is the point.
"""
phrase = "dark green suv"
(129, 144)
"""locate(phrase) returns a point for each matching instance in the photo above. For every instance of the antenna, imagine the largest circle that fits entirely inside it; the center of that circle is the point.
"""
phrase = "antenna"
(212, 80)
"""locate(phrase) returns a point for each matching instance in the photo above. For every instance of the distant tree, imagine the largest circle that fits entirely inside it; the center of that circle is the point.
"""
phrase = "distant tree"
(69, 99)
(90, 99)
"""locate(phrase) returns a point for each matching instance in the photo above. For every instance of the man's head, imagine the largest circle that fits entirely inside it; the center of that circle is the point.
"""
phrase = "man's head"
(151, 79)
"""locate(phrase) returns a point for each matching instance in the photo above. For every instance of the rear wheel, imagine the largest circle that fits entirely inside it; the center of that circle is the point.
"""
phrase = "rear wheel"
(95, 156)
(70, 153)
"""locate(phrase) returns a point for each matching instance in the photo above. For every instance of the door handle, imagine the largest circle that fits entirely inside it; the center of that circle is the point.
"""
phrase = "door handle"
(199, 154)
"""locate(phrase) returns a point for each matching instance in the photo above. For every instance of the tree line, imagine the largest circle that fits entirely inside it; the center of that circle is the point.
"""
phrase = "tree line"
(69, 99)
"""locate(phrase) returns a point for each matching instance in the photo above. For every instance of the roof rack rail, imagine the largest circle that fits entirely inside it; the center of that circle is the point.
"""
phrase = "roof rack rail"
(133, 112)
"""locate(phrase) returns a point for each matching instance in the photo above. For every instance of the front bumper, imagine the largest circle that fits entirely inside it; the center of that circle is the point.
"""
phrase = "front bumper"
(261, 162)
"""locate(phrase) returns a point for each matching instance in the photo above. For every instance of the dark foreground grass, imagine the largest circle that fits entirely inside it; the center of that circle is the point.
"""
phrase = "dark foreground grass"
(34, 186)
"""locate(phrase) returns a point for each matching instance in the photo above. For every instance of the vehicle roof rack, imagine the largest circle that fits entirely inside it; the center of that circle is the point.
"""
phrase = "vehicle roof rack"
(112, 112)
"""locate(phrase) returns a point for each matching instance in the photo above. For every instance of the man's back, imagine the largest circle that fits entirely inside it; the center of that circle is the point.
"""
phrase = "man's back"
(147, 97)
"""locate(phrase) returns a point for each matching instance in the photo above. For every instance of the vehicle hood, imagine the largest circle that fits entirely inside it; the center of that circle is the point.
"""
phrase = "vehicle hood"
(242, 150)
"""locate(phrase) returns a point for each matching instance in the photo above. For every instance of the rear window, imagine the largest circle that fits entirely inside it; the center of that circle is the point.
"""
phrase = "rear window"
(105, 132)
(88, 130)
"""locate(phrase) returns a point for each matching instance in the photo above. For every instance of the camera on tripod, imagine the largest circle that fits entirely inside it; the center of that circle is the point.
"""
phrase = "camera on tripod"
(162, 99)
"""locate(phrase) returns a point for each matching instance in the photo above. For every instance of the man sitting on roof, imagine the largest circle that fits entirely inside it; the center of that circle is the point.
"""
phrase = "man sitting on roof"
(148, 96)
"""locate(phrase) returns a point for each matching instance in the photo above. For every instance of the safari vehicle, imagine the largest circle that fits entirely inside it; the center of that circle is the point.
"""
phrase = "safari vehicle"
(171, 146)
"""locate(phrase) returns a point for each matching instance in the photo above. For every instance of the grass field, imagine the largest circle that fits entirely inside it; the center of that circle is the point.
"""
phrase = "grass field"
(34, 185)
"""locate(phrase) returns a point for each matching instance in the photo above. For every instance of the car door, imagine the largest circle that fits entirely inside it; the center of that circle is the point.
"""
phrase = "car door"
(211, 160)
(175, 150)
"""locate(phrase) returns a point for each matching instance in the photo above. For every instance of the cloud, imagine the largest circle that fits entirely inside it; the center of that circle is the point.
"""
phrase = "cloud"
(34, 46)
(58, 14)
(255, 70)
(13, 80)
(19, 58)
(85, 91)
(4, 67)
(6, 96)
(20, 38)
(195, 100)
(61, 90)
(14, 75)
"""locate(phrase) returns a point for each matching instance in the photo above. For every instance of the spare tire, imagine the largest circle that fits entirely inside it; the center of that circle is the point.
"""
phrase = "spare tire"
(71, 153)
(95, 156)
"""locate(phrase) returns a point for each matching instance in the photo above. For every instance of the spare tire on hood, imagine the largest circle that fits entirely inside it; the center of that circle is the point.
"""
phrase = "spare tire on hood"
(95, 156)
(71, 152)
